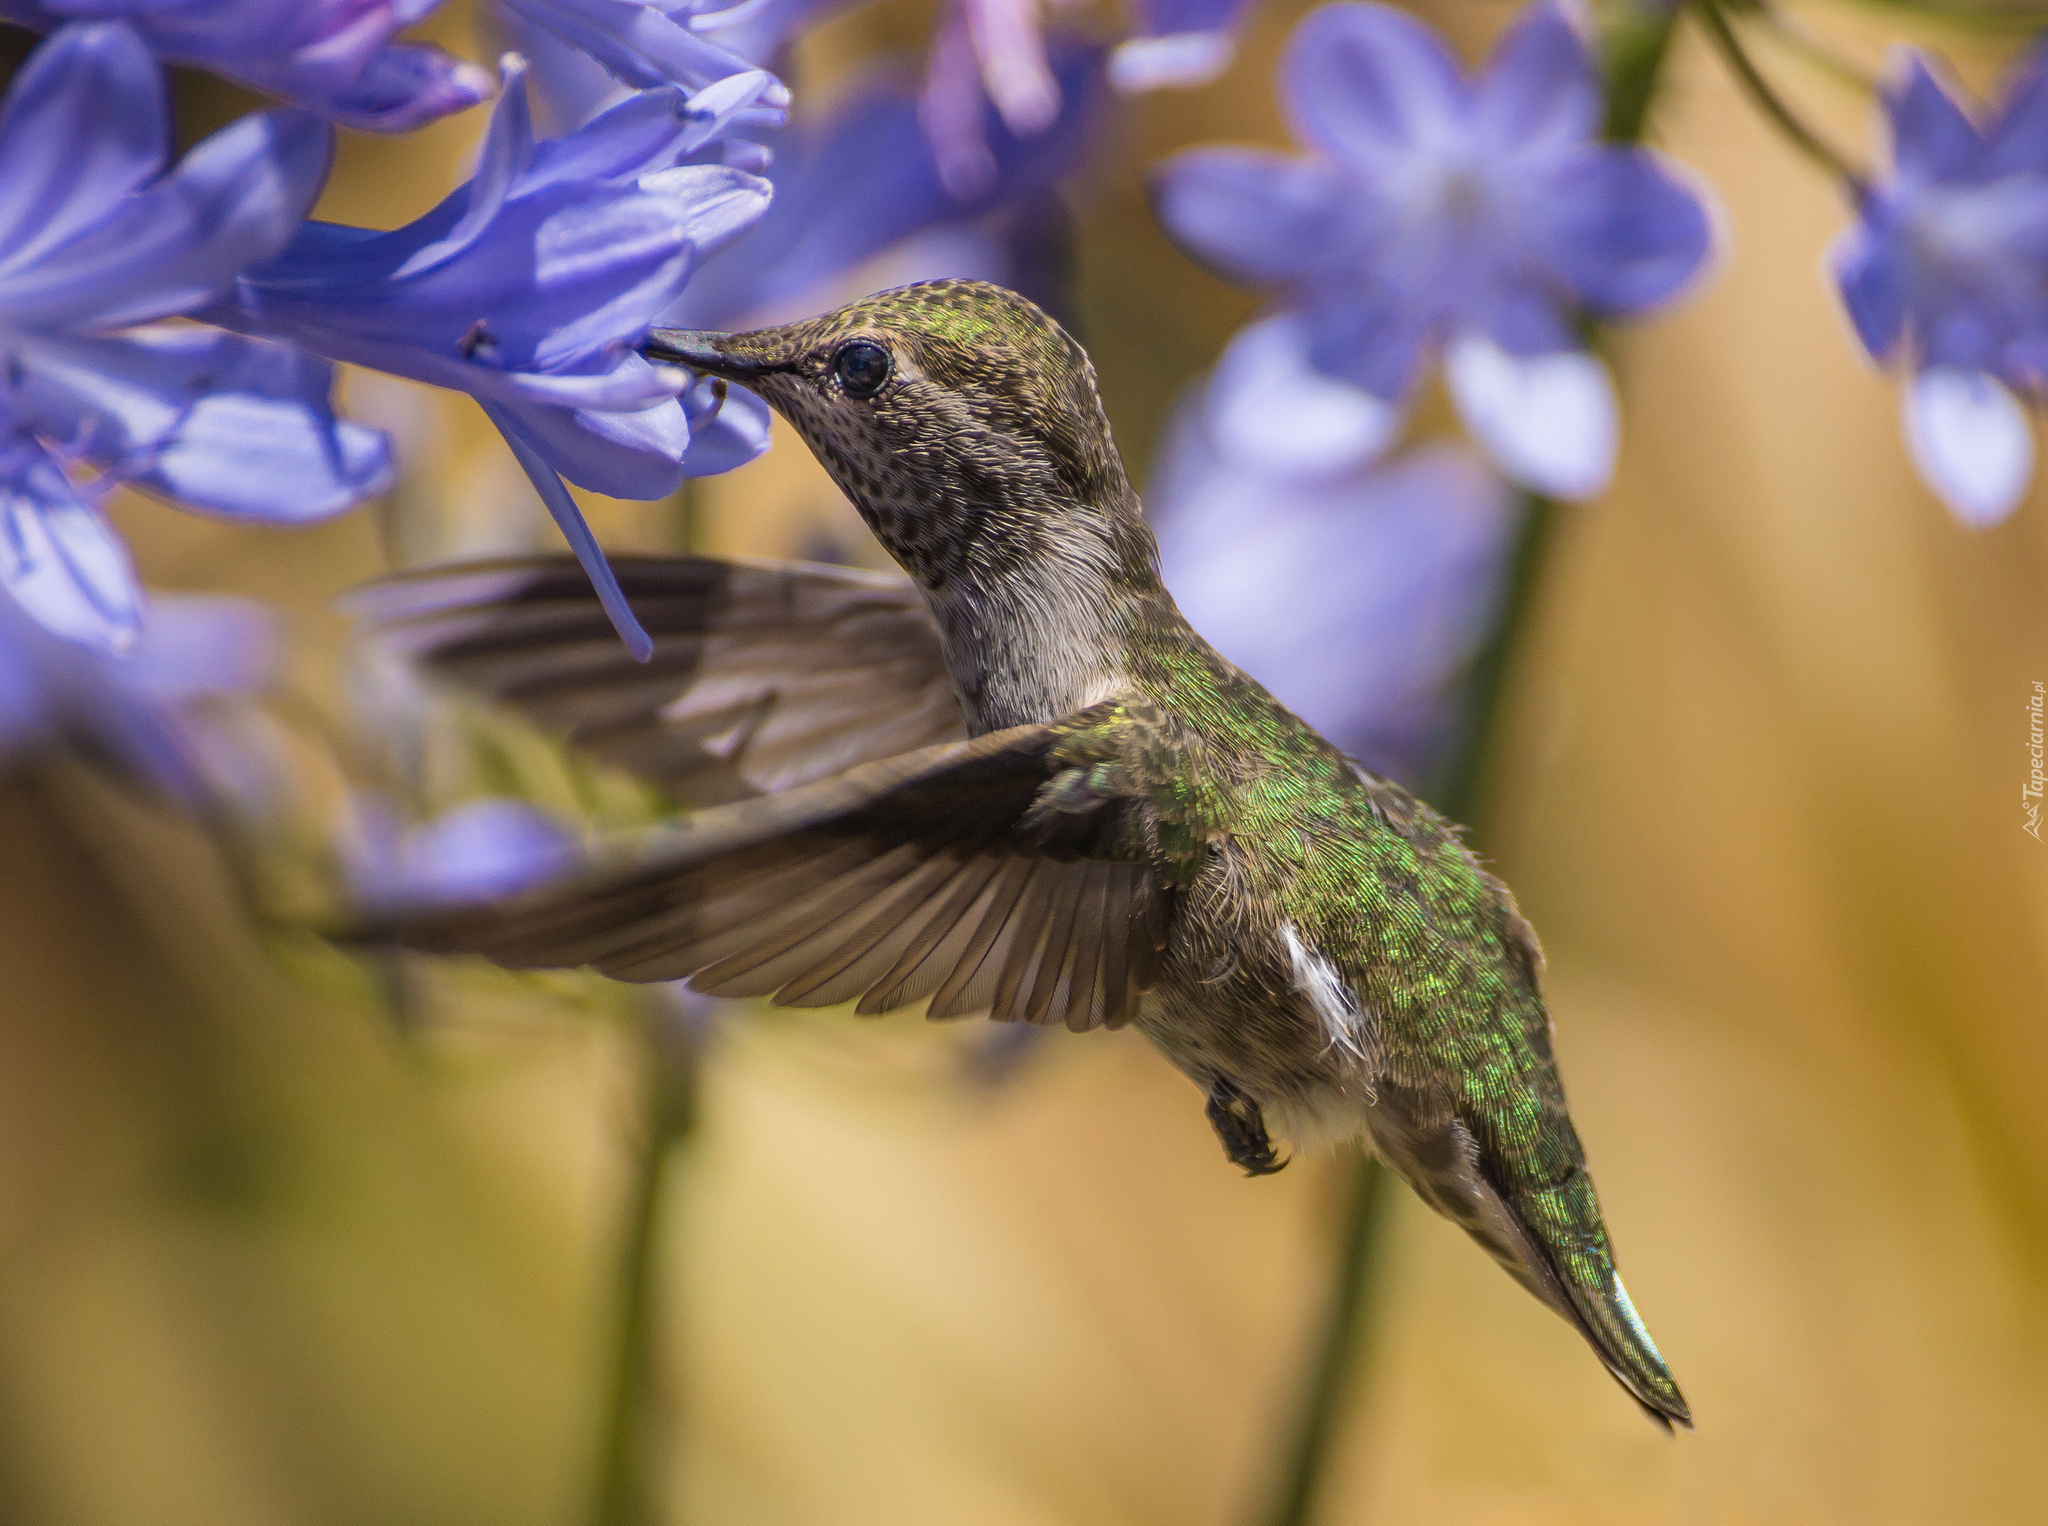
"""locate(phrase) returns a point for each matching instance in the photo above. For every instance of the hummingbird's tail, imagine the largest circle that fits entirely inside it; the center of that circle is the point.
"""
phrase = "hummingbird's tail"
(1536, 1213)
(1574, 1273)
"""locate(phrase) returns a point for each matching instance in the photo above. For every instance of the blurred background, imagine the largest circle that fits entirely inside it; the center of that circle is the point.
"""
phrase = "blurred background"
(287, 1237)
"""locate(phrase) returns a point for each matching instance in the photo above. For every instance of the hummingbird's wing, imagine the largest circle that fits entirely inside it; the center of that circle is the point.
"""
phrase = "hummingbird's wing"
(765, 675)
(987, 875)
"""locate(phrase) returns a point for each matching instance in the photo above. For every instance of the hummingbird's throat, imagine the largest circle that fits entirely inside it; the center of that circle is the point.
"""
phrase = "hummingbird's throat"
(1022, 653)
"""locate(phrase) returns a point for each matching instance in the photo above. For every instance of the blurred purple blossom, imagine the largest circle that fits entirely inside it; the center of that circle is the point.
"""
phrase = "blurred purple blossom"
(96, 236)
(333, 57)
(479, 851)
(1947, 269)
(529, 287)
(1357, 597)
(1479, 217)
(140, 710)
(996, 52)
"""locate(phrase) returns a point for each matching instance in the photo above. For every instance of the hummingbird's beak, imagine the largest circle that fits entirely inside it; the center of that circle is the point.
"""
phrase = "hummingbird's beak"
(708, 351)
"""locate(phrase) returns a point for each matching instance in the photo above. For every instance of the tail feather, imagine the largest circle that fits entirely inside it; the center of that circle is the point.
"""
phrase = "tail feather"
(1611, 1323)
(1563, 1229)
(1548, 1236)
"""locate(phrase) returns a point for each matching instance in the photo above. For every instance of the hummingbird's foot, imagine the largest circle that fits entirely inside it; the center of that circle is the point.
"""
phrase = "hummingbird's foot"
(1242, 1128)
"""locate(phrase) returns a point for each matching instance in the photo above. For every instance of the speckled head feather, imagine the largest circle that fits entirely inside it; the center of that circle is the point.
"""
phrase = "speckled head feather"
(983, 450)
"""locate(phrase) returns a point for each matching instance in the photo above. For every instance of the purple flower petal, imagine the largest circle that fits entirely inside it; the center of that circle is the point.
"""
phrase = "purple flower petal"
(1618, 227)
(1268, 407)
(1521, 316)
(506, 154)
(84, 125)
(481, 851)
(2018, 140)
(567, 273)
(174, 245)
(332, 57)
(1015, 69)
(1182, 59)
(234, 425)
(1548, 421)
(401, 88)
(1933, 137)
(1972, 442)
(58, 558)
(713, 202)
(1257, 216)
(1371, 339)
(1870, 270)
(648, 131)
(760, 28)
(622, 455)
(569, 86)
(198, 646)
(576, 530)
(951, 105)
(131, 708)
(639, 43)
(1370, 84)
(732, 435)
(1540, 90)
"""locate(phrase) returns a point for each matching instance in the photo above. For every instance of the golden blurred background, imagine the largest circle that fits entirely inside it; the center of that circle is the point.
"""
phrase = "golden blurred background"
(267, 1260)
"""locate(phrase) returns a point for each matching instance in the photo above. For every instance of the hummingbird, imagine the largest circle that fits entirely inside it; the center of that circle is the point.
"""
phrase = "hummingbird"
(1019, 783)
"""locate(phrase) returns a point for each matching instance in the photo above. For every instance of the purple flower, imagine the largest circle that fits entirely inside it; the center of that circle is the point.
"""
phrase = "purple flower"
(1947, 269)
(1356, 597)
(334, 57)
(530, 286)
(141, 710)
(1479, 217)
(476, 852)
(96, 236)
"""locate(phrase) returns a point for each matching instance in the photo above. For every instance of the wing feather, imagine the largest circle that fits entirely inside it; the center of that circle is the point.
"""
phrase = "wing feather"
(765, 675)
(924, 876)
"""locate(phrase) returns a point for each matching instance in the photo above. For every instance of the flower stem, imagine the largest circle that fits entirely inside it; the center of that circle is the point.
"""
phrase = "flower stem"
(1794, 38)
(623, 1493)
(1767, 100)
(1458, 794)
(1635, 39)
(1338, 1349)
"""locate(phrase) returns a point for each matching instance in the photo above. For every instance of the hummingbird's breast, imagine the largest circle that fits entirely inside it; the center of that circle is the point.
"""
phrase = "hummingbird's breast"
(1246, 996)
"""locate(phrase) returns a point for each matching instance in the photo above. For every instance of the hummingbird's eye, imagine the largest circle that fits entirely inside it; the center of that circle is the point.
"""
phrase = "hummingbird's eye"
(861, 366)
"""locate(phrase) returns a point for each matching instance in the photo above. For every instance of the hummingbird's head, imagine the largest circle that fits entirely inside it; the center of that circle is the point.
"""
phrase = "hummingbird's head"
(961, 421)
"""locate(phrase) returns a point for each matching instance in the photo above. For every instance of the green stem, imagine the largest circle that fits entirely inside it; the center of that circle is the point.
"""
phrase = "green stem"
(1459, 795)
(1635, 39)
(624, 1497)
(1768, 101)
(1338, 1349)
